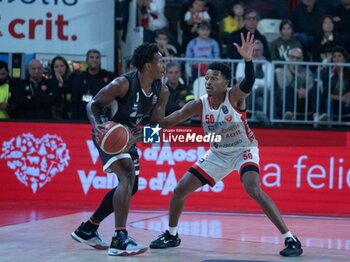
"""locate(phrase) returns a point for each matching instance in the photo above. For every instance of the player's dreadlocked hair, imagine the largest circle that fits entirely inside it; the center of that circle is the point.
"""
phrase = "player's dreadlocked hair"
(144, 54)
(224, 69)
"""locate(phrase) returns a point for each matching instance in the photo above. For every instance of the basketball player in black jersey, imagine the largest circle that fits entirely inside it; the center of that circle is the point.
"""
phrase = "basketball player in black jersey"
(129, 100)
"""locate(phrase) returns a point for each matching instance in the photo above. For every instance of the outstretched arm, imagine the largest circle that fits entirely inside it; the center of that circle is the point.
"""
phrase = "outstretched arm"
(239, 92)
(190, 109)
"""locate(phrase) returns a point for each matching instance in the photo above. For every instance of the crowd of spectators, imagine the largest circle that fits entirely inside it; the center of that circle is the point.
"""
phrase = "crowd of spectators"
(310, 30)
(59, 94)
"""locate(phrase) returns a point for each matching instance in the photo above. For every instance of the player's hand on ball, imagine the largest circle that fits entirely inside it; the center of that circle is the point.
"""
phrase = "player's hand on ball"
(112, 137)
(100, 130)
(135, 135)
(131, 140)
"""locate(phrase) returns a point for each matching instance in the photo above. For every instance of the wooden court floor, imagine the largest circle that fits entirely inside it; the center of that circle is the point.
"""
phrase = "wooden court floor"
(43, 234)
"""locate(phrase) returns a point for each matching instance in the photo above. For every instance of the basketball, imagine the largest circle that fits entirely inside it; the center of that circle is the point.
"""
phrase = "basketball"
(114, 139)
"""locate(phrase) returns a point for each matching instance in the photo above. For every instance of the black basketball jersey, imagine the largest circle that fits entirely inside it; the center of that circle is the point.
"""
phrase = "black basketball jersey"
(135, 107)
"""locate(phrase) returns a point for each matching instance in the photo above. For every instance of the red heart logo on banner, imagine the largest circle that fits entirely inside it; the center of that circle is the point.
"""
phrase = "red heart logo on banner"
(35, 161)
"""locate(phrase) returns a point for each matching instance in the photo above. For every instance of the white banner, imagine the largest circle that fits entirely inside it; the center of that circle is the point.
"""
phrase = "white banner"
(62, 27)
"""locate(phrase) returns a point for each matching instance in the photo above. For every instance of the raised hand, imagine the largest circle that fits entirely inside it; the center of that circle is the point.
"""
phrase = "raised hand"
(246, 50)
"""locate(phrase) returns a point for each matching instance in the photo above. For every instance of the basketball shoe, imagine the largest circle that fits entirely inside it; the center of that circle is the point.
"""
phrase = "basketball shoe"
(292, 248)
(166, 240)
(90, 238)
(122, 245)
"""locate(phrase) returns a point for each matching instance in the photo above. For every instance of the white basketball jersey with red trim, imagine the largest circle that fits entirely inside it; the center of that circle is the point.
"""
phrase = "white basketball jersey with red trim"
(228, 122)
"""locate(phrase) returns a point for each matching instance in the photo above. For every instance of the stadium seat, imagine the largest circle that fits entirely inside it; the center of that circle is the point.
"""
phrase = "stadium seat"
(269, 28)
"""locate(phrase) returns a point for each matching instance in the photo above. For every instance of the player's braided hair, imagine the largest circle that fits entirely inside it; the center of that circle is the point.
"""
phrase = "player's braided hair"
(144, 54)
(224, 69)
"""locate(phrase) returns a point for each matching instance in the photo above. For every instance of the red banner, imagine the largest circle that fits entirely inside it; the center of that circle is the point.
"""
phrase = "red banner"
(303, 171)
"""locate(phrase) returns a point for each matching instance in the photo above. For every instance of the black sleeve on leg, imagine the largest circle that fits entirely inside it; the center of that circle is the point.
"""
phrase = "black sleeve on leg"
(105, 208)
(136, 186)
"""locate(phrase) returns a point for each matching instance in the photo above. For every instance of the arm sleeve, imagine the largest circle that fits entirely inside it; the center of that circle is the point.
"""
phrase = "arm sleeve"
(247, 83)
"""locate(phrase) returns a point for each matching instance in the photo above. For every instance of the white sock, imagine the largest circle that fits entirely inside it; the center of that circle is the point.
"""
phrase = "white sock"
(172, 231)
(288, 234)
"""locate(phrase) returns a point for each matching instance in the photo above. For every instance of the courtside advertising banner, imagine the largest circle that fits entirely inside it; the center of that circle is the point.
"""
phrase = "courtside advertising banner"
(303, 171)
(57, 27)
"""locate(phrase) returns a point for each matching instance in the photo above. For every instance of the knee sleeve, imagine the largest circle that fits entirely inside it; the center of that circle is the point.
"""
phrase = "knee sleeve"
(136, 186)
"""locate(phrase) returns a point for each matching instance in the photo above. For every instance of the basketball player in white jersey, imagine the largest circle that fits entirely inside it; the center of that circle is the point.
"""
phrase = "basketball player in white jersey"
(222, 111)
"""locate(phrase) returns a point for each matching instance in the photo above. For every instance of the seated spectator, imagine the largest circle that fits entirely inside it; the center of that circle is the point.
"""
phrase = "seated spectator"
(87, 84)
(263, 78)
(336, 86)
(325, 40)
(35, 96)
(7, 89)
(151, 17)
(294, 79)
(202, 47)
(62, 77)
(341, 16)
(251, 18)
(192, 13)
(162, 41)
(280, 47)
(234, 21)
(177, 89)
(305, 18)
